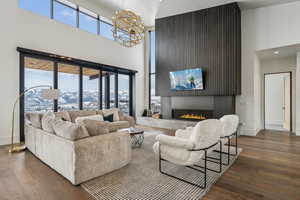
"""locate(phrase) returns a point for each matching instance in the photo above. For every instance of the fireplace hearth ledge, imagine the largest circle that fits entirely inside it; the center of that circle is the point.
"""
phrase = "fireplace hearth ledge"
(165, 123)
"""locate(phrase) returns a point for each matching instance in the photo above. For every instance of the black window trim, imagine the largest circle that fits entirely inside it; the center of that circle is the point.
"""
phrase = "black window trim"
(78, 11)
(56, 59)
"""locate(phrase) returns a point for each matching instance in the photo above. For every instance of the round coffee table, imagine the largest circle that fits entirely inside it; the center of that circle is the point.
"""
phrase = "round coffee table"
(137, 136)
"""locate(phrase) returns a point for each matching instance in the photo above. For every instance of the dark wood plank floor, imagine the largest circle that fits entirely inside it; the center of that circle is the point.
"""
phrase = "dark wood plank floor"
(268, 168)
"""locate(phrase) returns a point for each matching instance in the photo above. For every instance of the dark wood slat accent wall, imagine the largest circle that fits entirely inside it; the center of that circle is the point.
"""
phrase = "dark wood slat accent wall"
(209, 39)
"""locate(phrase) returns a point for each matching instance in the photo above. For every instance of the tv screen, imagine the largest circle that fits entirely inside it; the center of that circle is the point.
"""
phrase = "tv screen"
(189, 79)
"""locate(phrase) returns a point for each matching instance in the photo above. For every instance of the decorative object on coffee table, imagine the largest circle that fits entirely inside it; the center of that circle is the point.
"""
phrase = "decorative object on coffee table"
(136, 135)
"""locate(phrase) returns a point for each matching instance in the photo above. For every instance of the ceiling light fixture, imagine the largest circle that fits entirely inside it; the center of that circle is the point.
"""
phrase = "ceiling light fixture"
(128, 28)
(276, 52)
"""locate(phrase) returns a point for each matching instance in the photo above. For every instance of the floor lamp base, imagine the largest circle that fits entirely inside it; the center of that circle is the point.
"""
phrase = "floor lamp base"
(17, 148)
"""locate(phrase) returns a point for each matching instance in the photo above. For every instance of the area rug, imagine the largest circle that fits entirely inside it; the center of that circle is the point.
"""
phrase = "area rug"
(141, 179)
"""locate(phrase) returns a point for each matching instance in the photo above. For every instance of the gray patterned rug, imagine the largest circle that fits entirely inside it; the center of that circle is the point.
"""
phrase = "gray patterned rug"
(141, 179)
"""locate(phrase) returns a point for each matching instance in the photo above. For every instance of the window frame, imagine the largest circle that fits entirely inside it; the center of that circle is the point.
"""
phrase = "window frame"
(75, 8)
(56, 59)
(79, 10)
(149, 68)
(96, 18)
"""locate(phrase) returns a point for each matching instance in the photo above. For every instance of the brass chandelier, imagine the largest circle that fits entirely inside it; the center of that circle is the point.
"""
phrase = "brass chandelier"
(128, 28)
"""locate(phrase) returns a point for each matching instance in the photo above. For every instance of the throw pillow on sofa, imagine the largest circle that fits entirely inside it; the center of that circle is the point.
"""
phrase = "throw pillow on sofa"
(109, 118)
(69, 130)
(91, 117)
(95, 127)
(113, 111)
(47, 122)
(64, 115)
(35, 119)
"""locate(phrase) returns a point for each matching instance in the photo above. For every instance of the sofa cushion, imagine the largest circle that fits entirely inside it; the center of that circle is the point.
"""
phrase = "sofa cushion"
(35, 119)
(99, 112)
(69, 130)
(129, 119)
(91, 117)
(95, 127)
(80, 113)
(114, 126)
(113, 111)
(47, 122)
(64, 115)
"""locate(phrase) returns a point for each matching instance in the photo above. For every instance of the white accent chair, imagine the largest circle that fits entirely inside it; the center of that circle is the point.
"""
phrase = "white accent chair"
(230, 130)
(189, 150)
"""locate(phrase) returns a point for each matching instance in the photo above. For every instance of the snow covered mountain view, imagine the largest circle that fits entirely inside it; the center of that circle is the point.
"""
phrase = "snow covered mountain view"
(69, 101)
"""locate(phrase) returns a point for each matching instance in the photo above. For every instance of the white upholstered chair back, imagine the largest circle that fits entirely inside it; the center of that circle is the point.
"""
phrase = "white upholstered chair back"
(230, 124)
(206, 133)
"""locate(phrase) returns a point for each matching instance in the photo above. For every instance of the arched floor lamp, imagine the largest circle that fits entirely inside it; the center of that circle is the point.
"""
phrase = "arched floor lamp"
(49, 94)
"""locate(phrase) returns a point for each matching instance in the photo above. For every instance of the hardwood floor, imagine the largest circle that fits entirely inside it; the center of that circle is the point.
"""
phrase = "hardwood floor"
(268, 168)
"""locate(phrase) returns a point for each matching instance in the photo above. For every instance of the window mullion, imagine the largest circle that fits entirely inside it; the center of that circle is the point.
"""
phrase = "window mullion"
(100, 90)
(55, 84)
(80, 88)
(116, 90)
(77, 16)
(51, 9)
(98, 24)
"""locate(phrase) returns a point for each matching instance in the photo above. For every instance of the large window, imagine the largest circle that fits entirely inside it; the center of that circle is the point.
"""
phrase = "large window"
(42, 7)
(90, 96)
(123, 93)
(68, 84)
(37, 72)
(65, 12)
(154, 101)
(71, 14)
(112, 90)
(88, 21)
(106, 28)
(82, 84)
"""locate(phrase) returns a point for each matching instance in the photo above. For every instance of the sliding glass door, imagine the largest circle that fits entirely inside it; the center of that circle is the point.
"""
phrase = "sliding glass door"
(123, 93)
(68, 84)
(81, 87)
(37, 72)
(89, 87)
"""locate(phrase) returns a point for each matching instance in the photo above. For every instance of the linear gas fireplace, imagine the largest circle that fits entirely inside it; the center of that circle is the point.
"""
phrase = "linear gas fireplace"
(193, 115)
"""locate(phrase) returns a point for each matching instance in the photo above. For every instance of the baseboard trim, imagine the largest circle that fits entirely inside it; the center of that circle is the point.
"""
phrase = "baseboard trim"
(297, 132)
(249, 132)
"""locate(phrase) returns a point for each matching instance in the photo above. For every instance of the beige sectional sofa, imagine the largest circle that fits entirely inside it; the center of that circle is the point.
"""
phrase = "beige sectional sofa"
(82, 159)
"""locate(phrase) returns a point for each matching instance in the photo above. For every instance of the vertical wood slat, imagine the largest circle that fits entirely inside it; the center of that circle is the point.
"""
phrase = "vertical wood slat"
(209, 39)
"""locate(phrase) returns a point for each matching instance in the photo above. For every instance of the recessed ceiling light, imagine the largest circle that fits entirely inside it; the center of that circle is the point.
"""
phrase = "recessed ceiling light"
(276, 52)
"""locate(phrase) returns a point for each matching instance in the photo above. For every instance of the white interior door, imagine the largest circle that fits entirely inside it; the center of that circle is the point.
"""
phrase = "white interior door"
(287, 102)
(278, 101)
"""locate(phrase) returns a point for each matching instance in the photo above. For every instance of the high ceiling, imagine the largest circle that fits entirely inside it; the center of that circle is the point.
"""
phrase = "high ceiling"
(174, 7)
(151, 9)
(147, 9)
(281, 52)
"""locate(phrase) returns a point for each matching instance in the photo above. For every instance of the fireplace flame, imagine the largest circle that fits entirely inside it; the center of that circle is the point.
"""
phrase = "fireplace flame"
(192, 116)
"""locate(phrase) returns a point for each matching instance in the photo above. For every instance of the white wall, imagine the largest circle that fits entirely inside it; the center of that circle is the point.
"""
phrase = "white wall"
(20, 28)
(287, 64)
(298, 95)
(262, 28)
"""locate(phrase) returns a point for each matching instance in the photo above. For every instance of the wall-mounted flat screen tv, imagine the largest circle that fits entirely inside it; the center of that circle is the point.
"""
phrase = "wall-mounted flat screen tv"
(189, 79)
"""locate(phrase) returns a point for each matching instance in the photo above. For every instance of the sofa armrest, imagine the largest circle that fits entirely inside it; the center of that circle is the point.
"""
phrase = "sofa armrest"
(130, 119)
(98, 155)
(175, 141)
